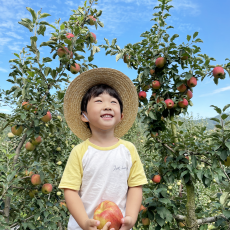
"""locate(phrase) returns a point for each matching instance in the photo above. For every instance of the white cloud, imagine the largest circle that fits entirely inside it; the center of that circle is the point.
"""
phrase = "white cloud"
(3, 70)
(4, 110)
(216, 91)
(13, 34)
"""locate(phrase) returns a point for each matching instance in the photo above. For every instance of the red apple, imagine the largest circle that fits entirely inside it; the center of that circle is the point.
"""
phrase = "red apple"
(183, 103)
(92, 20)
(160, 99)
(92, 39)
(69, 36)
(160, 62)
(62, 204)
(182, 88)
(152, 71)
(36, 179)
(17, 131)
(26, 105)
(156, 179)
(152, 135)
(192, 82)
(47, 188)
(218, 72)
(64, 51)
(29, 146)
(142, 95)
(189, 94)
(108, 211)
(47, 117)
(145, 221)
(156, 84)
(37, 141)
(75, 69)
(143, 208)
(169, 103)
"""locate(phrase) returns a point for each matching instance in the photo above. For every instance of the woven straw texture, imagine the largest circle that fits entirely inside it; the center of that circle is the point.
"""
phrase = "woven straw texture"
(79, 86)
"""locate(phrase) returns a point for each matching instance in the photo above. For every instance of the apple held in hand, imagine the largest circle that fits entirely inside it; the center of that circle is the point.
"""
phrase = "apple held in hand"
(108, 211)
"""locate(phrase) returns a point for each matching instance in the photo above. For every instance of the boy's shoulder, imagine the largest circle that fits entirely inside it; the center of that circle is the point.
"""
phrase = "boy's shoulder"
(129, 145)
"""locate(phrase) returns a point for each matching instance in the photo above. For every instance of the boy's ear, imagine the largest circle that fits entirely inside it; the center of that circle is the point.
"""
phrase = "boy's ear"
(83, 118)
(122, 116)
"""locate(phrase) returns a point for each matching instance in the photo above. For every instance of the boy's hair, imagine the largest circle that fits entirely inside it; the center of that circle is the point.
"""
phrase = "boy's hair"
(96, 91)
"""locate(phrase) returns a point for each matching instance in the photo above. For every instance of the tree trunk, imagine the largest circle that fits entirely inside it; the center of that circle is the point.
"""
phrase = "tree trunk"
(191, 221)
(60, 226)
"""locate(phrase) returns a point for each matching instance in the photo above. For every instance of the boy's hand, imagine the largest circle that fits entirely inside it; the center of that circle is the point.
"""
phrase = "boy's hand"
(92, 224)
(126, 223)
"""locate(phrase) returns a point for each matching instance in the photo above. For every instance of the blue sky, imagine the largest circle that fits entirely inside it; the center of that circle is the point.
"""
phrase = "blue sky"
(126, 20)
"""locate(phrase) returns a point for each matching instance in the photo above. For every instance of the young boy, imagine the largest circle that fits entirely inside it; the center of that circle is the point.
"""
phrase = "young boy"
(100, 106)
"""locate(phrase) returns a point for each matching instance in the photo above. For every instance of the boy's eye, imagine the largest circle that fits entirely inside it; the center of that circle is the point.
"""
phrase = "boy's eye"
(100, 100)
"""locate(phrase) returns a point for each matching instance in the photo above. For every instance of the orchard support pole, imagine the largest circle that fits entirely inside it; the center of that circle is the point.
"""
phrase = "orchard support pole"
(191, 221)
(173, 129)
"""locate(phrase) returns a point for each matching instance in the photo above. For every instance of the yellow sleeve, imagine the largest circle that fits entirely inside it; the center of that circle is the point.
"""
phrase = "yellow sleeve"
(137, 174)
(72, 175)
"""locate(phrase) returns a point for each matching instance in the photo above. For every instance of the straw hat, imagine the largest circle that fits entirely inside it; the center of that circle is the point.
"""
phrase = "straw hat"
(80, 85)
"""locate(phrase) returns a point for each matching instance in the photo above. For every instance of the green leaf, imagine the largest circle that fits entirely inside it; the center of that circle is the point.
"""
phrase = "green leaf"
(226, 107)
(215, 119)
(81, 11)
(224, 116)
(119, 56)
(114, 42)
(194, 161)
(195, 34)
(226, 213)
(224, 198)
(100, 24)
(107, 41)
(32, 13)
(218, 110)
(159, 220)
(188, 38)
(99, 13)
(218, 126)
(173, 37)
(215, 80)
(227, 144)
(41, 29)
(180, 123)
(44, 15)
(62, 26)
(47, 71)
(223, 155)
(27, 25)
(29, 131)
(47, 59)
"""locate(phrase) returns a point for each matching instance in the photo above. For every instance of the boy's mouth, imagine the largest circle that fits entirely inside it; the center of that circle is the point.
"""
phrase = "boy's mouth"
(107, 116)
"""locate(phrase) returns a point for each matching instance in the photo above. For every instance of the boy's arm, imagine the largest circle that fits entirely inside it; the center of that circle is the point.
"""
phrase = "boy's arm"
(76, 207)
(133, 203)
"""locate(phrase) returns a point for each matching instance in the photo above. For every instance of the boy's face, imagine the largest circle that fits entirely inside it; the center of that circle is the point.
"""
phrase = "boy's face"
(100, 105)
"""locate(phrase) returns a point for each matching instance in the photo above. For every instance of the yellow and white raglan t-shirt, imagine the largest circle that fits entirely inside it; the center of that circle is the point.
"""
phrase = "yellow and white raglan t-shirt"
(102, 173)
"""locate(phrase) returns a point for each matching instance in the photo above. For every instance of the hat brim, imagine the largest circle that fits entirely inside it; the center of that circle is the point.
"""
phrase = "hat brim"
(80, 85)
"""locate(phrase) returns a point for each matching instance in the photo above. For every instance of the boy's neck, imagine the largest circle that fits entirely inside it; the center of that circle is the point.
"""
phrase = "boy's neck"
(102, 142)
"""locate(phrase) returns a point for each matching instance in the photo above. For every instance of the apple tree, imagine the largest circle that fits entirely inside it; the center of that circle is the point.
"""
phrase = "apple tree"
(171, 71)
(38, 146)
